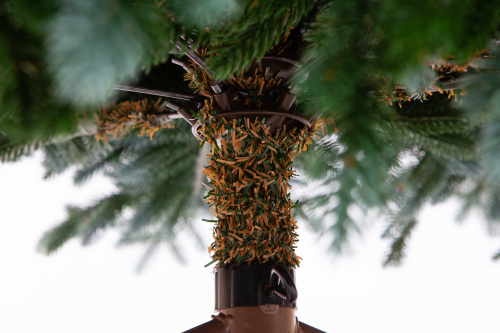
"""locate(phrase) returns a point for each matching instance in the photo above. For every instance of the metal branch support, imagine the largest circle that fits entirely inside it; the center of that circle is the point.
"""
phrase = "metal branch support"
(195, 58)
(155, 92)
(181, 63)
(171, 105)
(259, 113)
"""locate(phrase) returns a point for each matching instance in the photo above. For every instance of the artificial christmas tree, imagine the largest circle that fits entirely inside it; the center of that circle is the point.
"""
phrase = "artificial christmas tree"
(406, 96)
(254, 135)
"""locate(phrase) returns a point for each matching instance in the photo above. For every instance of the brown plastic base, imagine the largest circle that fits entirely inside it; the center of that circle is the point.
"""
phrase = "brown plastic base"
(251, 319)
(264, 318)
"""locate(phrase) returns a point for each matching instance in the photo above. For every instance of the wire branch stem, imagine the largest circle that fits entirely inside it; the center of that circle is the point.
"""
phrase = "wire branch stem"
(155, 92)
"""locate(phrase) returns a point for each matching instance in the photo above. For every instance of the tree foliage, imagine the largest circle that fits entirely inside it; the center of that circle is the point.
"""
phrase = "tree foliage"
(155, 196)
(408, 91)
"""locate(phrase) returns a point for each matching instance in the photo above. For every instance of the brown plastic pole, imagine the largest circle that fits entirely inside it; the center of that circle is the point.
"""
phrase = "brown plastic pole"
(269, 318)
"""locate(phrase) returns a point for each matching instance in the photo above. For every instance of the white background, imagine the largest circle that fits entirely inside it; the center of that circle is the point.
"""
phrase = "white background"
(447, 284)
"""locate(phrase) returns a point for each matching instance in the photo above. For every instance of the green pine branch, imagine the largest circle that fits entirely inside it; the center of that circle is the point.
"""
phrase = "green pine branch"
(13, 151)
(235, 43)
(496, 256)
(85, 223)
(56, 237)
(77, 150)
(399, 244)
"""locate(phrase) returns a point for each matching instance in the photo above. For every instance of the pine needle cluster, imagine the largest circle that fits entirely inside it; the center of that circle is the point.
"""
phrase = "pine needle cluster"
(118, 120)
